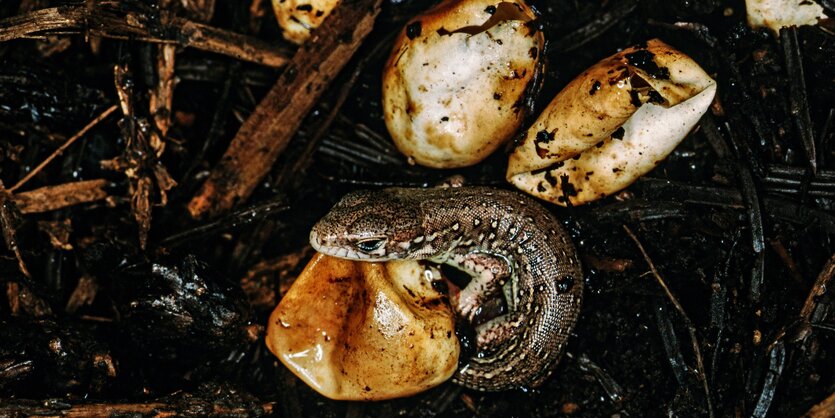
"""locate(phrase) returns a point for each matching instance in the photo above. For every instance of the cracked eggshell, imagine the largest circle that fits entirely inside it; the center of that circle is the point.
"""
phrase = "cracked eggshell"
(455, 83)
(298, 18)
(365, 331)
(612, 124)
(776, 14)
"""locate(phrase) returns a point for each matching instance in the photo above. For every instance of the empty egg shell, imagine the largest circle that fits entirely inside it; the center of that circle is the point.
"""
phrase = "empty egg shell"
(298, 18)
(612, 124)
(454, 85)
(775, 14)
(365, 331)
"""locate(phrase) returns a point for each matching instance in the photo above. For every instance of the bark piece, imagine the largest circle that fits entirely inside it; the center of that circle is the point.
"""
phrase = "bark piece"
(50, 198)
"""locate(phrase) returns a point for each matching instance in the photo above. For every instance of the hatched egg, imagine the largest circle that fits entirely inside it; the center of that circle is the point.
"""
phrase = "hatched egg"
(612, 124)
(298, 18)
(455, 84)
(776, 14)
(355, 330)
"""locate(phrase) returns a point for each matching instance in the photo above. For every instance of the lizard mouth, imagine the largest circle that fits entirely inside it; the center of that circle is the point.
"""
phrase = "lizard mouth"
(342, 252)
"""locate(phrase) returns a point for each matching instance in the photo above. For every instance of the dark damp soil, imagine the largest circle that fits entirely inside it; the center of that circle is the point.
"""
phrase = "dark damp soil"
(738, 222)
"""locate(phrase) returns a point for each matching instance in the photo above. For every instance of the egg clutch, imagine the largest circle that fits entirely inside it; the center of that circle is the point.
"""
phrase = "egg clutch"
(455, 90)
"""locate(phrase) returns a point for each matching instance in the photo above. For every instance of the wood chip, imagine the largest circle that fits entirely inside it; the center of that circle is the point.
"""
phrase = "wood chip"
(50, 198)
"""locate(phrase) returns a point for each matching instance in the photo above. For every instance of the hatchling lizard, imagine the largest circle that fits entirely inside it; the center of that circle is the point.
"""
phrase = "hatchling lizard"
(506, 241)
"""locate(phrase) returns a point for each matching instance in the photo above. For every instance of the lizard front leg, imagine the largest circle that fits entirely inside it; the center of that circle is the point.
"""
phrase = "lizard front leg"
(489, 272)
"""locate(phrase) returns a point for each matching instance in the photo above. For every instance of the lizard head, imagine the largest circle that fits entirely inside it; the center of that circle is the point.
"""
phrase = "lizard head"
(371, 226)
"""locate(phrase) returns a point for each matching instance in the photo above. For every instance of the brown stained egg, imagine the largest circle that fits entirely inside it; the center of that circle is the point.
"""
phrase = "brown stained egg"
(298, 18)
(612, 124)
(454, 85)
(365, 331)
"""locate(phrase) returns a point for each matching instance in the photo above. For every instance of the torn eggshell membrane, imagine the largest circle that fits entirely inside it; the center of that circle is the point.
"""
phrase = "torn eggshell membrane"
(365, 331)
(298, 18)
(455, 84)
(612, 124)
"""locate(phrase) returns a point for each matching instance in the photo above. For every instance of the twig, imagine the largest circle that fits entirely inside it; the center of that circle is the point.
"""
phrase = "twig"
(118, 22)
(268, 130)
(161, 96)
(63, 147)
(688, 323)
(7, 227)
(51, 198)
(22, 407)
(818, 289)
(640, 210)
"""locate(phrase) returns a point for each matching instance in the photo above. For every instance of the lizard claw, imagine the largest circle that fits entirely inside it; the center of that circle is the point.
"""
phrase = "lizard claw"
(467, 305)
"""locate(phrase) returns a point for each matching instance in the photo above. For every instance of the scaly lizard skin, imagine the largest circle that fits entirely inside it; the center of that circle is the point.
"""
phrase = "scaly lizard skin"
(506, 241)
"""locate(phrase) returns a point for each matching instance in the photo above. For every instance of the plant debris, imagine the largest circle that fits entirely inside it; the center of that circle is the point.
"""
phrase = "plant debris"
(162, 163)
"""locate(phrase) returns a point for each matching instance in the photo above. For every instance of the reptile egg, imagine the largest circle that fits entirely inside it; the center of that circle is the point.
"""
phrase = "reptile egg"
(298, 18)
(776, 14)
(365, 331)
(612, 124)
(456, 80)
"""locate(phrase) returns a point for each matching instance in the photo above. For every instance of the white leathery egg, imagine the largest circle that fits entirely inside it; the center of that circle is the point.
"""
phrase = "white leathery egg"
(355, 330)
(612, 124)
(298, 18)
(454, 86)
(776, 14)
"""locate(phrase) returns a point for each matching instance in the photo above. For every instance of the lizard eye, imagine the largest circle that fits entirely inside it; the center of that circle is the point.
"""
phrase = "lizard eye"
(370, 245)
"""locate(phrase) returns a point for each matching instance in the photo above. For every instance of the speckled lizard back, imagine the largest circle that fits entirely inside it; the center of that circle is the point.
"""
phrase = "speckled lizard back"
(507, 241)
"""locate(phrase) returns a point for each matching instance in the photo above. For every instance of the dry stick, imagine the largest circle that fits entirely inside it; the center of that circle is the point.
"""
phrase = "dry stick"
(61, 149)
(111, 22)
(19, 407)
(8, 232)
(242, 47)
(51, 197)
(266, 133)
(688, 323)
(162, 95)
(818, 289)
(60, 196)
